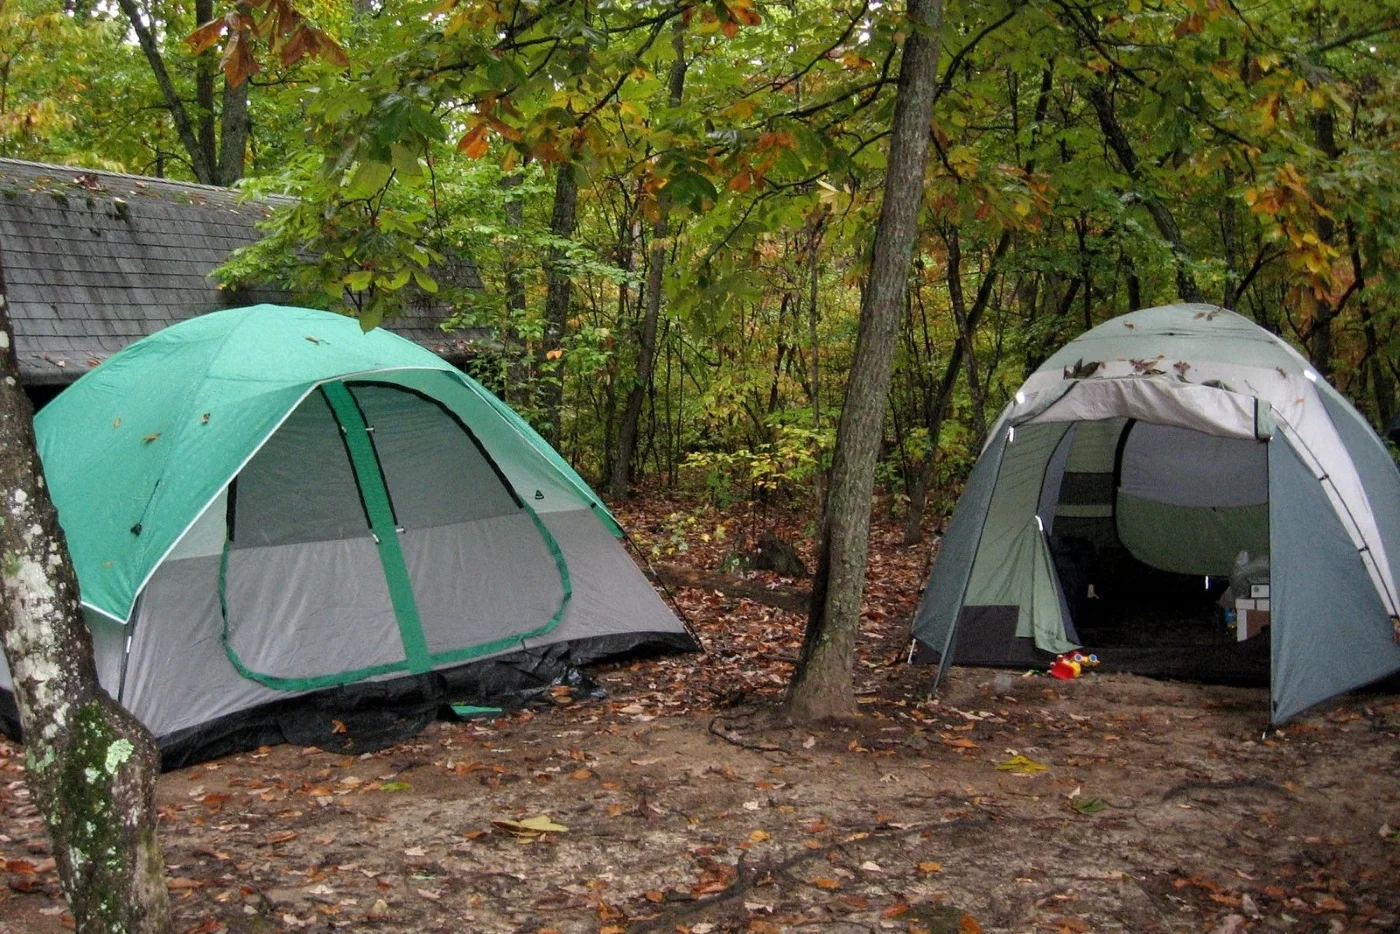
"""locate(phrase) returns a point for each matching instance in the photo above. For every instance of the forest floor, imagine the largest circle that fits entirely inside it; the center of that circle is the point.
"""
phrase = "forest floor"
(1150, 806)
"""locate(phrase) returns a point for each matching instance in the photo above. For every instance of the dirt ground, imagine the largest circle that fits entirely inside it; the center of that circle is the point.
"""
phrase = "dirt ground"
(681, 804)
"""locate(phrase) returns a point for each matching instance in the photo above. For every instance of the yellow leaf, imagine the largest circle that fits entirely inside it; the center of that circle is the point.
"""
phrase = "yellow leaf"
(930, 866)
(530, 827)
(827, 884)
(758, 836)
(1020, 765)
(542, 824)
(554, 354)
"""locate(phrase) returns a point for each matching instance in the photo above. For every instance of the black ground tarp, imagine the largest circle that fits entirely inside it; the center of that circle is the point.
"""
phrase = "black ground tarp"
(370, 715)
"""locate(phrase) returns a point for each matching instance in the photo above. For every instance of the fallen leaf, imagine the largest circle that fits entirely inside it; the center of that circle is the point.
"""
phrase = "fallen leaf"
(827, 884)
(542, 824)
(758, 836)
(1020, 765)
(930, 866)
(530, 827)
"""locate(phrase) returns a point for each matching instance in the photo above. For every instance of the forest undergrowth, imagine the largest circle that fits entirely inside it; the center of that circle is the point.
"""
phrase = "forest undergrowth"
(681, 802)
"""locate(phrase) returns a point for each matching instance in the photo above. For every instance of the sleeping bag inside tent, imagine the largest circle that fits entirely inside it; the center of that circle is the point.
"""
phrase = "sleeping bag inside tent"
(287, 529)
(1177, 492)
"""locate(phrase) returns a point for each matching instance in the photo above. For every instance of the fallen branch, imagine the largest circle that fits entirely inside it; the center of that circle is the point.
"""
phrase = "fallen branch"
(783, 596)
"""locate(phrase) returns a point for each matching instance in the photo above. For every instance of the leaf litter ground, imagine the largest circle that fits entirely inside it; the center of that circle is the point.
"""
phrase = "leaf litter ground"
(687, 806)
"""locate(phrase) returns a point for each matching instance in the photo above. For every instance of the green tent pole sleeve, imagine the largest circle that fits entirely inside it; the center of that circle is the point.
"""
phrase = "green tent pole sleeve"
(381, 520)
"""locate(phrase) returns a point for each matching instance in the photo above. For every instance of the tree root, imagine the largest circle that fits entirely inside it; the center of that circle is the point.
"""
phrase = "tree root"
(1261, 784)
(746, 878)
(735, 739)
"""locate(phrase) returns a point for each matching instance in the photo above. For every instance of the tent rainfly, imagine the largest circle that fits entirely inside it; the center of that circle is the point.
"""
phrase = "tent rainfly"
(281, 524)
(1168, 442)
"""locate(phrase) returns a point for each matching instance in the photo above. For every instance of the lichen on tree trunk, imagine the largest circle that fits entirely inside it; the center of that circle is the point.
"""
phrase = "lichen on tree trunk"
(822, 684)
(91, 766)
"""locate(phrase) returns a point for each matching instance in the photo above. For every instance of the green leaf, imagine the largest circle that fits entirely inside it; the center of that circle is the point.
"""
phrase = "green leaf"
(369, 179)
(425, 282)
(359, 280)
(405, 161)
(691, 189)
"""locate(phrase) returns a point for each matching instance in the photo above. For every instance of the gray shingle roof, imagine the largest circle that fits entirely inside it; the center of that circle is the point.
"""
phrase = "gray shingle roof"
(95, 260)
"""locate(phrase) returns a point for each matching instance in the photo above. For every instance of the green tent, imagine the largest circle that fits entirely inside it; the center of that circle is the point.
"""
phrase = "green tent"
(1144, 466)
(266, 502)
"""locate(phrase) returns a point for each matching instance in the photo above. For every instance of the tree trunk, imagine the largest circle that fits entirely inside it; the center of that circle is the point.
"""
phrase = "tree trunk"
(517, 369)
(559, 293)
(235, 128)
(1382, 385)
(814, 358)
(1319, 338)
(621, 483)
(1122, 147)
(90, 765)
(203, 168)
(206, 73)
(822, 685)
(933, 420)
(967, 331)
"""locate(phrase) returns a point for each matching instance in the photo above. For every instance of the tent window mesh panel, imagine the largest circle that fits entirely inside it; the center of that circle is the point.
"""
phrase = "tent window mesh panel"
(300, 487)
(435, 473)
(305, 591)
(482, 570)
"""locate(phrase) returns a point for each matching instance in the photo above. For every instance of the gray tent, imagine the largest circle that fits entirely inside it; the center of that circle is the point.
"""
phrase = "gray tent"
(1144, 461)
